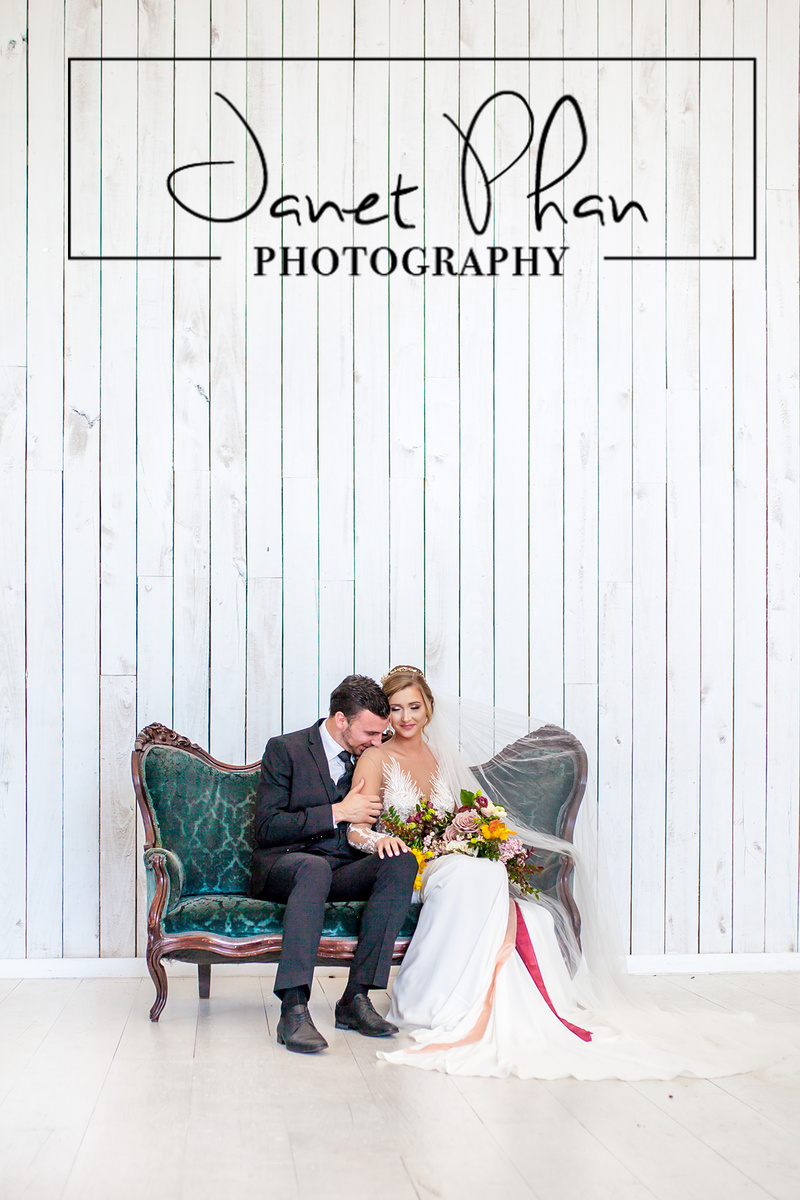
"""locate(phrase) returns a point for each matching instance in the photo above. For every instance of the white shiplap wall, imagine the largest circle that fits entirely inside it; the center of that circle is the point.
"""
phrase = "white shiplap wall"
(220, 493)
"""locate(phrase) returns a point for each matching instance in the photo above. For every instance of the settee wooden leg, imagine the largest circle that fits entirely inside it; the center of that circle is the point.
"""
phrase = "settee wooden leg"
(158, 974)
(204, 980)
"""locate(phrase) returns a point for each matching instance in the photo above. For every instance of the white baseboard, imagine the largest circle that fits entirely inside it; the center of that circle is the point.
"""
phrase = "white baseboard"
(111, 968)
(134, 968)
(710, 964)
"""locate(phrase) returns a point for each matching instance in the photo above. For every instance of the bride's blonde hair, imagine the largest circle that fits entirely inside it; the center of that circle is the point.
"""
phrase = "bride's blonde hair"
(405, 676)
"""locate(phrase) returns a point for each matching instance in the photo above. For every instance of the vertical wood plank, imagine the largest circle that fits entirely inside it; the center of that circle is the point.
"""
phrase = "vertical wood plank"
(154, 681)
(335, 375)
(783, 554)
(117, 818)
(782, 103)
(580, 384)
(118, 346)
(155, 517)
(13, 181)
(12, 662)
(228, 547)
(476, 403)
(44, 775)
(615, 423)
(441, 368)
(191, 616)
(648, 340)
(783, 545)
(547, 412)
(154, 297)
(191, 388)
(299, 392)
(683, 667)
(407, 363)
(514, 541)
(44, 456)
(154, 690)
(649, 685)
(45, 274)
(81, 516)
(264, 619)
(264, 690)
(683, 489)
(118, 482)
(84, 226)
(750, 502)
(716, 490)
(371, 381)
(581, 428)
(407, 628)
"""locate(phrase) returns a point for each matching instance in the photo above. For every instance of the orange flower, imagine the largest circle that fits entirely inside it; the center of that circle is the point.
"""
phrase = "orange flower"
(495, 830)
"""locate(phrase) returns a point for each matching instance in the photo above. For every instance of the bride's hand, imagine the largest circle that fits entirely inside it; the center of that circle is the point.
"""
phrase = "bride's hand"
(390, 846)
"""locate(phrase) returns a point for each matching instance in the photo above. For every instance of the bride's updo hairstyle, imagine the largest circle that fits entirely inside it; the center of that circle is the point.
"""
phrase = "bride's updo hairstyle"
(402, 677)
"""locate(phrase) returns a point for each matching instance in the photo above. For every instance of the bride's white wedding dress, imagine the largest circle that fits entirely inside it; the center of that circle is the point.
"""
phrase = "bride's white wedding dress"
(484, 989)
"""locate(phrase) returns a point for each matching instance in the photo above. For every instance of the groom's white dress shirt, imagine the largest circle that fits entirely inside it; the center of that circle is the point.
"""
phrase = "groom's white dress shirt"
(332, 751)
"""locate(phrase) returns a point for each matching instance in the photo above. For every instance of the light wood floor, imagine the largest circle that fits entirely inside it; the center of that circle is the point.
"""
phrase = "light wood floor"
(96, 1102)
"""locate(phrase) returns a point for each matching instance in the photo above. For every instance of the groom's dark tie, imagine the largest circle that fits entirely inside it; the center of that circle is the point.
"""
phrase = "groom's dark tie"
(346, 777)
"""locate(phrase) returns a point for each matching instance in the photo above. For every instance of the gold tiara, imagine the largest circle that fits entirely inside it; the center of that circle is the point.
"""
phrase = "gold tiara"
(401, 670)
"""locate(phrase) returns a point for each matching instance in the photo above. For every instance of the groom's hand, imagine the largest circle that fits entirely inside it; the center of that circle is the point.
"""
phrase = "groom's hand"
(357, 807)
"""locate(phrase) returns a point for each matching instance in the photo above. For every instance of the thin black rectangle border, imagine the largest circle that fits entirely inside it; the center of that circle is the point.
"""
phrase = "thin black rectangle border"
(101, 58)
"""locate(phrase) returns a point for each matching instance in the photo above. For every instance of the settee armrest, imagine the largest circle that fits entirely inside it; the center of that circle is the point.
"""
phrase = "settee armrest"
(175, 876)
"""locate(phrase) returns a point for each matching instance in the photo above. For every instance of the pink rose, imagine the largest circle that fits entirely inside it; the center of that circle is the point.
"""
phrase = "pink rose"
(464, 822)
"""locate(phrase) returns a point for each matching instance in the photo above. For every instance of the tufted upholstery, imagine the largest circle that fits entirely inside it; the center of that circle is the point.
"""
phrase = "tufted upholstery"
(541, 796)
(205, 816)
(241, 917)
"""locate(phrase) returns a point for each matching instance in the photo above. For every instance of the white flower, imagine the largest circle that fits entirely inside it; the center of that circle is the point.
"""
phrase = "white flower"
(461, 848)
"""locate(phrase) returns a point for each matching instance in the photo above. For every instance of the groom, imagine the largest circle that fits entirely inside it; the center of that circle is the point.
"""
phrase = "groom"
(304, 803)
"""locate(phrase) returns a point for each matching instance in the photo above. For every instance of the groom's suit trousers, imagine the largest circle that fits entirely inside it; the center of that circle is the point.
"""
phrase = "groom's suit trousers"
(304, 882)
(302, 859)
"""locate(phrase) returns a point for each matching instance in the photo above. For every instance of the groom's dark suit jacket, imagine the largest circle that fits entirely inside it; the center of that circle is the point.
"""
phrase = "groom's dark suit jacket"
(293, 805)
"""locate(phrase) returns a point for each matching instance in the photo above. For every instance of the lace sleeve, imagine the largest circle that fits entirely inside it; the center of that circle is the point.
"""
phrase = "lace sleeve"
(365, 838)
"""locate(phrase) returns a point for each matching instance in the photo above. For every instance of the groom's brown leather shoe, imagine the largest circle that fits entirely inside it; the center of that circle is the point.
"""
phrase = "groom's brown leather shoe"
(297, 1032)
(362, 1017)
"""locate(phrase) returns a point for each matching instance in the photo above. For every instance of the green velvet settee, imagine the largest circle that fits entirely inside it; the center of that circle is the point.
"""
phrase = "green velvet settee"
(198, 824)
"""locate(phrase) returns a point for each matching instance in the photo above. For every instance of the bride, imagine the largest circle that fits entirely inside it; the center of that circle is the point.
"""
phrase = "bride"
(484, 988)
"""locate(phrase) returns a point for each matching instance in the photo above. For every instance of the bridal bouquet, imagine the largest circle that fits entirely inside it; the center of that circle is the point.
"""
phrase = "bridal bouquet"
(477, 827)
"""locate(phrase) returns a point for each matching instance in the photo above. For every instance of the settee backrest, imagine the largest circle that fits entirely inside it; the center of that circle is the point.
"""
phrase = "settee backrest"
(545, 793)
(540, 794)
(203, 812)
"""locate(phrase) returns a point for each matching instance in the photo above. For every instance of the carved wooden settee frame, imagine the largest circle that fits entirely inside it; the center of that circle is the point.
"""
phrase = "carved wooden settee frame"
(205, 949)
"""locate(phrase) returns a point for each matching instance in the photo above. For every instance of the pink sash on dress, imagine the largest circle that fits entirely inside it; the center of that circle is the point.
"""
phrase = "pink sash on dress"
(525, 950)
(517, 937)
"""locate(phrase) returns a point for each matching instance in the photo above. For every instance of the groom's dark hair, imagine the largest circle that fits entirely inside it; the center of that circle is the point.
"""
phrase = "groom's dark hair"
(358, 692)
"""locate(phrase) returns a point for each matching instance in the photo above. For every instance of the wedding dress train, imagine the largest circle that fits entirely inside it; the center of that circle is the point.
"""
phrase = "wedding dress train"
(484, 990)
